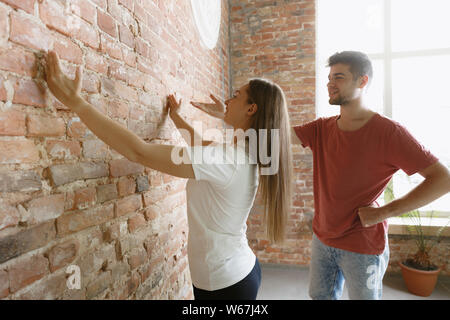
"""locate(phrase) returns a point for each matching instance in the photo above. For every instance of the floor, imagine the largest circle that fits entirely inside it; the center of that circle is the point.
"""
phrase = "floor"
(291, 283)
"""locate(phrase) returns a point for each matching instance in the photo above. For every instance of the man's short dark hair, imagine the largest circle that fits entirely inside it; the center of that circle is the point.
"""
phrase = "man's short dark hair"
(359, 62)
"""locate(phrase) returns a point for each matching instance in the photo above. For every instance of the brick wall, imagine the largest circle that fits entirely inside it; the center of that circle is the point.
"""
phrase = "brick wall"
(65, 197)
(276, 40)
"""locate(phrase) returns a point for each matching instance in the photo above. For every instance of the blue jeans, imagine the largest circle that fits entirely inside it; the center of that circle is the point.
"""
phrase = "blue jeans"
(330, 267)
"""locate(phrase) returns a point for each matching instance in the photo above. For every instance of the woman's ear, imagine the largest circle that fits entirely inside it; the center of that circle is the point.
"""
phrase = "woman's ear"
(252, 109)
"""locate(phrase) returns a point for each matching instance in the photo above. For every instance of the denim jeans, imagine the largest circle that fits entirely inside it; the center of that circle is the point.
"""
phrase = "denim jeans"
(331, 267)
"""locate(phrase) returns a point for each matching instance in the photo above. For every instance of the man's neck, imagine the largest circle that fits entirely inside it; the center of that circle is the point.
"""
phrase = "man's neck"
(354, 115)
(354, 110)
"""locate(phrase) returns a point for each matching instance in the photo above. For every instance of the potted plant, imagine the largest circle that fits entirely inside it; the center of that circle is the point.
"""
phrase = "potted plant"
(419, 272)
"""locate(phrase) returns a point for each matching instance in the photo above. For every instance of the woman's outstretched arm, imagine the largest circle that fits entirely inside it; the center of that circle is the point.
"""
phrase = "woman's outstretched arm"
(128, 144)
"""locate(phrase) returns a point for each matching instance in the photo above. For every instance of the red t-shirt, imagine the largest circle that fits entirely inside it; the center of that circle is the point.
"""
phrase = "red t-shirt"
(351, 170)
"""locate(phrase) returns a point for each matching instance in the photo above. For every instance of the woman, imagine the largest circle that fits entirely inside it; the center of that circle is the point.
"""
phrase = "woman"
(219, 194)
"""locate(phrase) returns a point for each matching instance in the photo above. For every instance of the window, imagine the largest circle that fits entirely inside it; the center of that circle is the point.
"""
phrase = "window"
(409, 44)
(207, 16)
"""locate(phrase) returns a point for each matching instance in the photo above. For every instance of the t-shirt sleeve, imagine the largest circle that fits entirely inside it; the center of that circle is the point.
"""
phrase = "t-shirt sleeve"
(211, 163)
(406, 153)
(307, 133)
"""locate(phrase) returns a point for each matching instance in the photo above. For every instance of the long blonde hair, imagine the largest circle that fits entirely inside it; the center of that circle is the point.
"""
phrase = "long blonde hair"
(276, 189)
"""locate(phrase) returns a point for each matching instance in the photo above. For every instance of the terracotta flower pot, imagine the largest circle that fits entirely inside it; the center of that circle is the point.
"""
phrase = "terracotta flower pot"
(419, 282)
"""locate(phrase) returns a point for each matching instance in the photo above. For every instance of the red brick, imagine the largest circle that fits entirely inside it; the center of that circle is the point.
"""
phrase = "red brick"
(106, 192)
(63, 149)
(136, 222)
(124, 167)
(127, 4)
(99, 285)
(26, 31)
(12, 123)
(125, 92)
(3, 94)
(112, 232)
(4, 284)
(100, 3)
(63, 254)
(68, 50)
(126, 36)
(74, 222)
(133, 282)
(129, 204)
(90, 84)
(106, 23)
(51, 287)
(96, 62)
(26, 271)
(23, 181)
(4, 23)
(95, 149)
(116, 109)
(67, 173)
(129, 57)
(17, 244)
(27, 92)
(18, 151)
(85, 10)
(18, 61)
(87, 35)
(39, 126)
(26, 5)
(118, 71)
(85, 198)
(153, 196)
(152, 212)
(111, 47)
(126, 186)
(9, 217)
(45, 208)
(77, 129)
(56, 17)
(138, 256)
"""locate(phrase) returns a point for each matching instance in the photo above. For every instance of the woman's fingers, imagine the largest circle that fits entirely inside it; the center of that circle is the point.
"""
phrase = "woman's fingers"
(172, 102)
(79, 76)
(214, 98)
(49, 66)
(54, 63)
(197, 105)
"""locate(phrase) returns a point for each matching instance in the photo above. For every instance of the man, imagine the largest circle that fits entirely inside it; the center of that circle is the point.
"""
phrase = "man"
(355, 155)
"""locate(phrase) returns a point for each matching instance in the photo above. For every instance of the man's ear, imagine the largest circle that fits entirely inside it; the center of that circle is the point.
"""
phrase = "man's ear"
(363, 81)
(252, 109)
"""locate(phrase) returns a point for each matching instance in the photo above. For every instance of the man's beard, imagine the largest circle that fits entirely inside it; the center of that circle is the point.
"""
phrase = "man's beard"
(339, 101)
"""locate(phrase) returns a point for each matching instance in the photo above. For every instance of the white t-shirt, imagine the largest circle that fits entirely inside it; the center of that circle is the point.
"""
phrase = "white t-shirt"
(218, 204)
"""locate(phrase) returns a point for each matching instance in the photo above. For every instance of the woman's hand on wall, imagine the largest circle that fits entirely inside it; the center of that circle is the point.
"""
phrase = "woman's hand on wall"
(216, 109)
(172, 105)
(66, 90)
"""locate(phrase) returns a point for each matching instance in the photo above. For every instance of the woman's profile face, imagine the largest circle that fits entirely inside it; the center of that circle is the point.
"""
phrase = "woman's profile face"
(236, 113)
